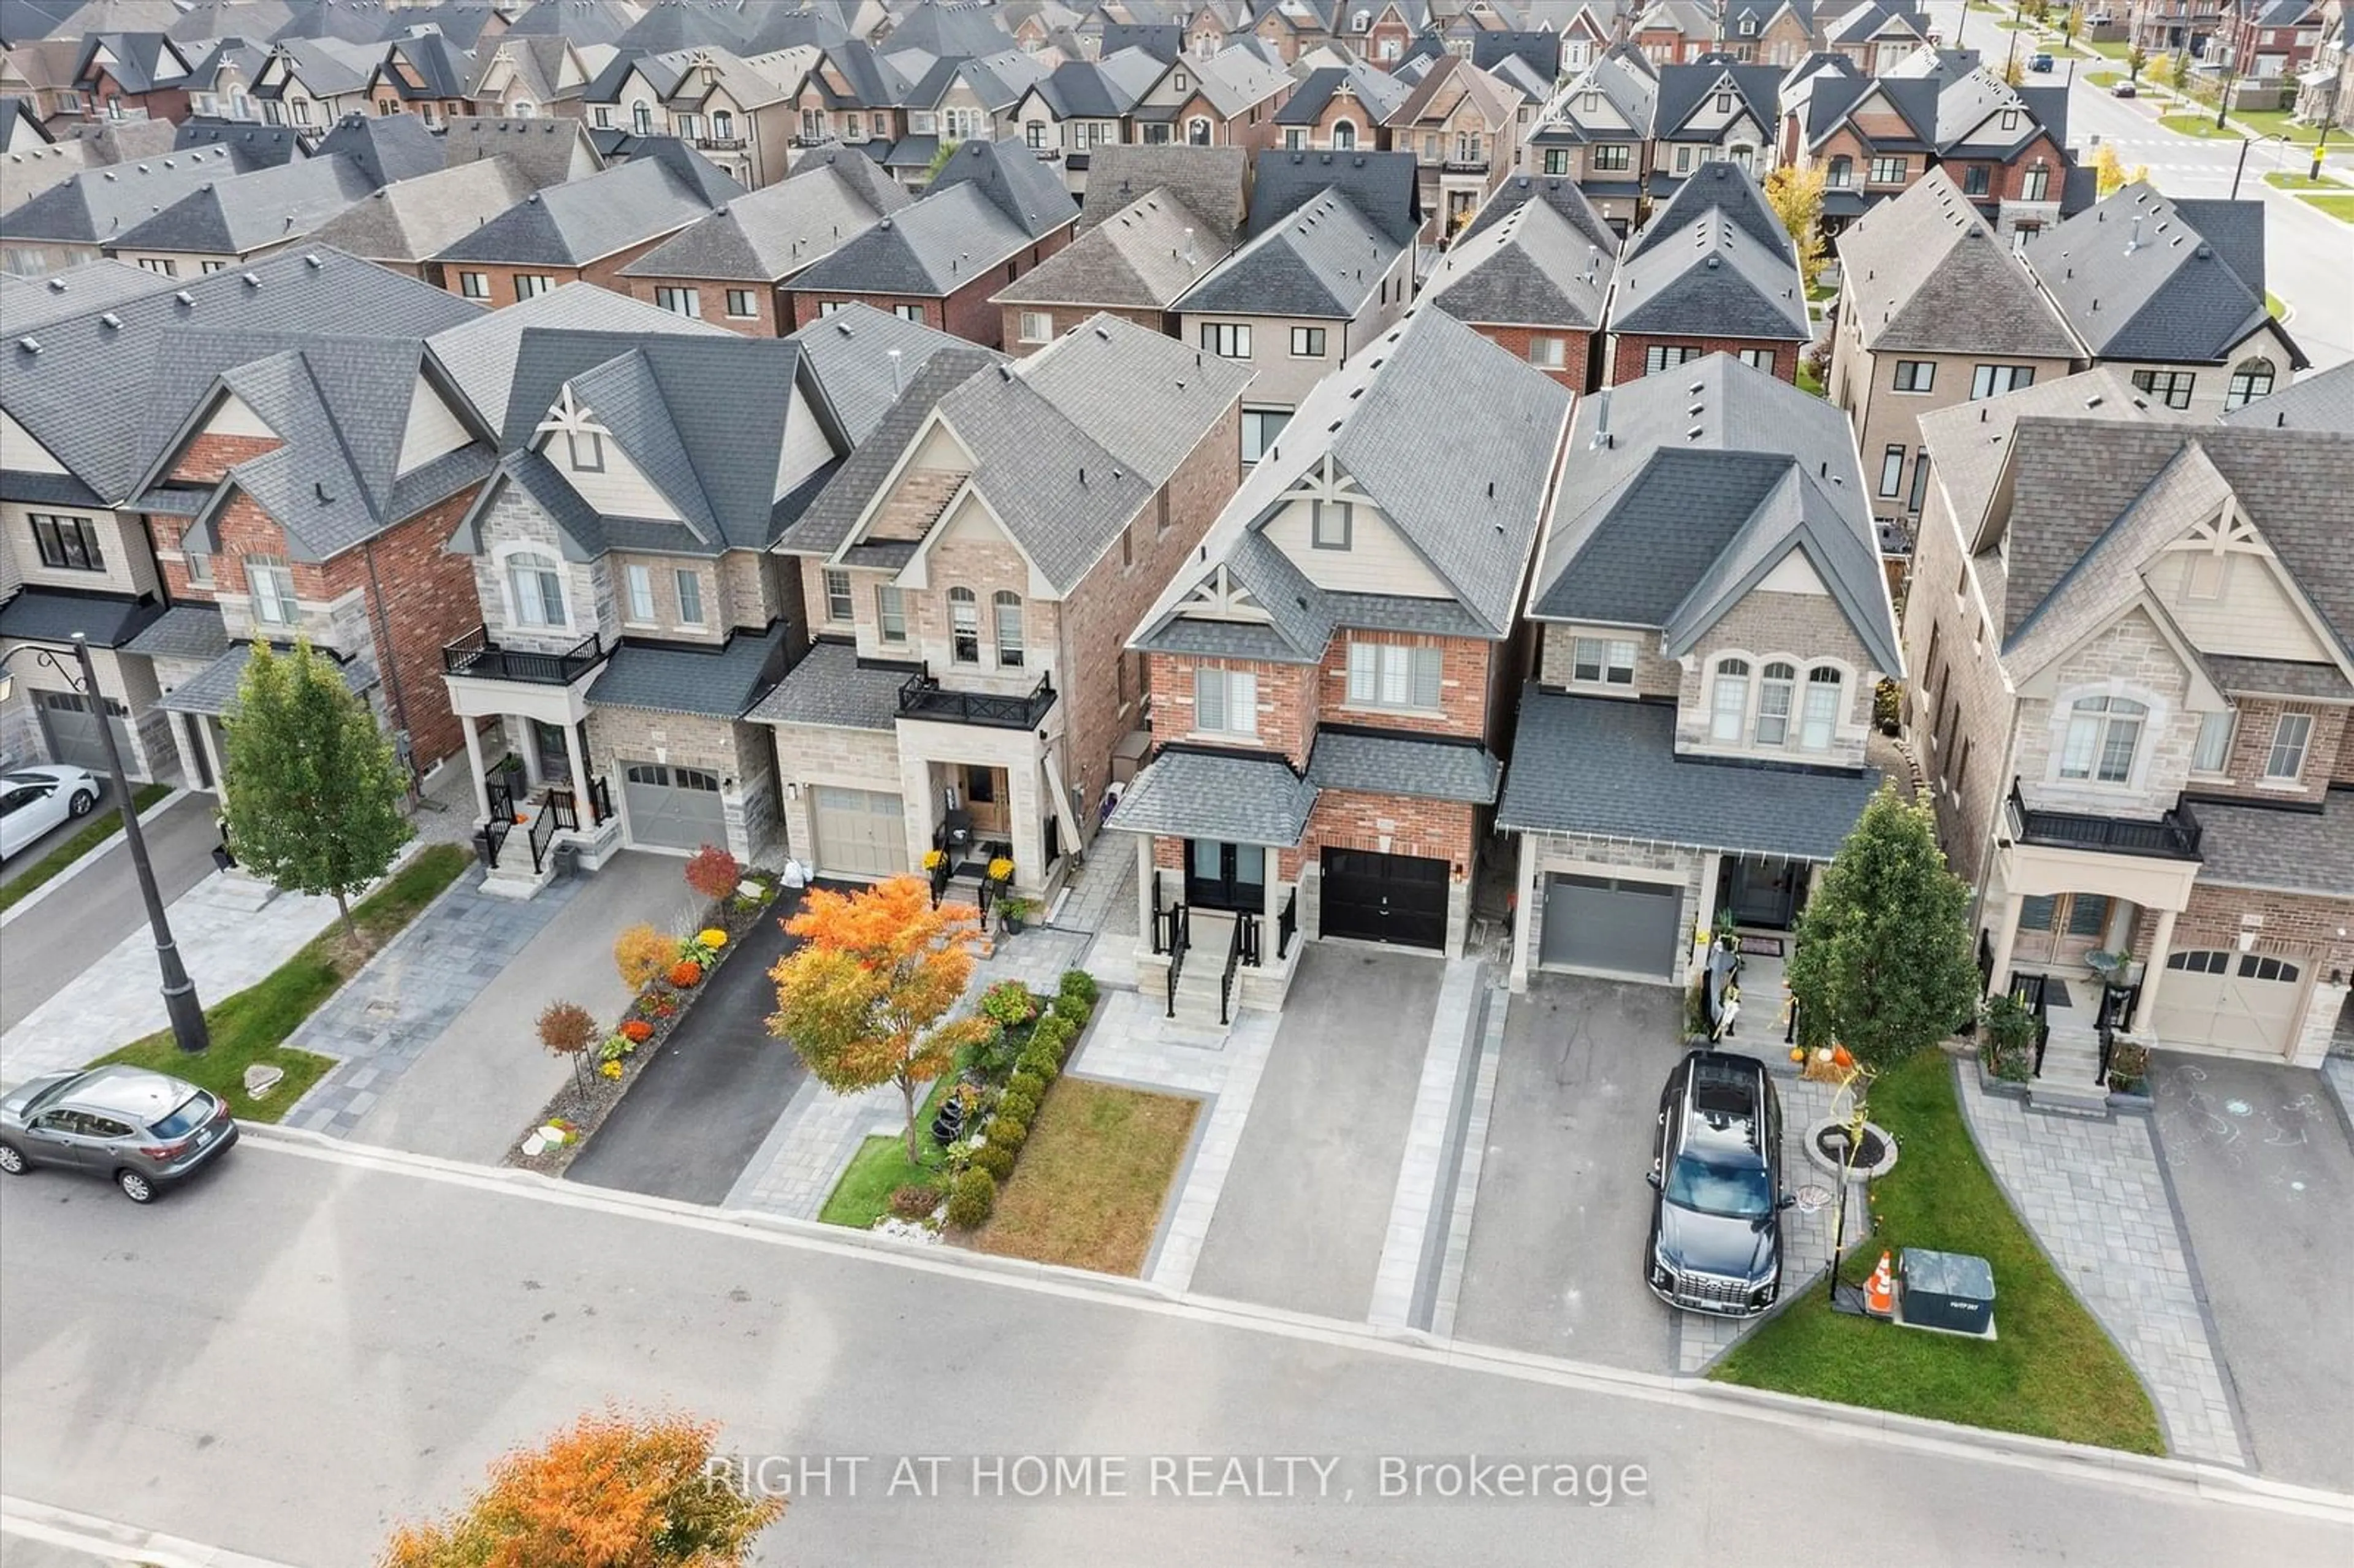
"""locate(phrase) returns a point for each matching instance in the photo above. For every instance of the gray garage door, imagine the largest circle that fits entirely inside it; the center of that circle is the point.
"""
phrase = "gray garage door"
(860, 832)
(70, 721)
(1602, 923)
(673, 807)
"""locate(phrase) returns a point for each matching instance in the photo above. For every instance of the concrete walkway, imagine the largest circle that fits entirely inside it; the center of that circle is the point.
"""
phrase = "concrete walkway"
(438, 1059)
(2091, 1190)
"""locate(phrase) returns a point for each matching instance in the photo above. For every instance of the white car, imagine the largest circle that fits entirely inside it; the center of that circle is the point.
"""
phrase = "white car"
(34, 799)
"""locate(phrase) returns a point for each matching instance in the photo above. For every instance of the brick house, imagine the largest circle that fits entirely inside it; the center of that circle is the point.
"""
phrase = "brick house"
(1134, 265)
(586, 230)
(2268, 43)
(422, 73)
(1875, 33)
(1712, 272)
(993, 213)
(1597, 132)
(1463, 128)
(1934, 311)
(732, 267)
(2135, 682)
(2173, 294)
(1333, 675)
(228, 223)
(972, 573)
(1694, 747)
(1230, 99)
(1381, 31)
(1711, 111)
(1534, 284)
(2172, 26)
(1083, 105)
(516, 78)
(79, 550)
(131, 76)
(311, 83)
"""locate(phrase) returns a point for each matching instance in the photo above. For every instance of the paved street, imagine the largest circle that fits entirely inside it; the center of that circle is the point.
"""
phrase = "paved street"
(324, 1345)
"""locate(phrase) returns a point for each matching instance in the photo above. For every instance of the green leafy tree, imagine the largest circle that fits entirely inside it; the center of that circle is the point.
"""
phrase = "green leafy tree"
(1884, 963)
(2135, 58)
(315, 790)
(940, 161)
(2178, 73)
(1795, 195)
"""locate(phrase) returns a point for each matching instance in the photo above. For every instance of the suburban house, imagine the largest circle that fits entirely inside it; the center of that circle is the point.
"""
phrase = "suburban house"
(526, 78)
(2172, 292)
(421, 72)
(588, 230)
(971, 575)
(70, 221)
(2138, 668)
(1534, 284)
(1463, 128)
(732, 266)
(1340, 108)
(1712, 111)
(132, 76)
(313, 82)
(1334, 673)
(736, 114)
(1934, 311)
(407, 223)
(1082, 105)
(1597, 130)
(2267, 43)
(1229, 99)
(1875, 33)
(1713, 271)
(993, 213)
(1134, 265)
(1693, 749)
(228, 222)
(1211, 183)
(548, 152)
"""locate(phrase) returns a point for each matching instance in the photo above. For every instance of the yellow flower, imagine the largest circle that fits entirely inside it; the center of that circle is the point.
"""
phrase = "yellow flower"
(933, 860)
(714, 938)
(611, 1069)
(1000, 869)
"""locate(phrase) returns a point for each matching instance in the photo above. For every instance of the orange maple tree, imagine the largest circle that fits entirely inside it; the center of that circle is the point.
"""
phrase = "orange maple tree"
(862, 999)
(616, 1489)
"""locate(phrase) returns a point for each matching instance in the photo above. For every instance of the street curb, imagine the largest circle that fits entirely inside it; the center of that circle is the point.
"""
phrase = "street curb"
(81, 864)
(115, 1542)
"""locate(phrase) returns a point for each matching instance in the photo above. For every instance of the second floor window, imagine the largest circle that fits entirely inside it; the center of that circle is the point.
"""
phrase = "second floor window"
(1994, 380)
(2037, 187)
(1976, 179)
(2103, 733)
(1774, 686)
(686, 302)
(531, 285)
(1391, 675)
(1331, 525)
(1613, 157)
(1225, 701)
(837, 596)
(1260, 427)
(2213, 753)
(890, 613)
(536, 584)
(1545, 353)
(641, 581)
(723, 125)
(1556, 160)
(2251, 379)
(1728, 702)
(690, 597)
(1817, 724)
(642, 119)
(1758, 359)
(2171, 387)
(1037, 326)
(964, 626)
(68, 544)
(1308, 342)
(270, 582)
(1665, 356)
(1888, 171)
(739, 305)
(1227, 339)
(1841, 173)
(1915, 374)
(1604, 660)
(1006, 609)
(2286, 760)
(474, 285)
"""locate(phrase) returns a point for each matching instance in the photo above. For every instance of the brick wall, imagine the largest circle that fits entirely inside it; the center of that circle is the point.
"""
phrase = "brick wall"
(1062, 319)
(209, 458)
(428, 599)
(2326, 756)
(969, 313)
(2292, 924)
(605, 272)
(768, 317)
(1656, 674)
(1576, 350)
(1386, 825)
(1628, 348)
(1287, 704)
(1463, 671)
(1956, 705)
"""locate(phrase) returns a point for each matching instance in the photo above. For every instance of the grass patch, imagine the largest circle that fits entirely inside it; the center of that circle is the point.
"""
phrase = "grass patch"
(104, 823)
(1810, 382)
(879, 1169)
(2340, 208)
(252, 1025)
(2202, 126)
(2276, 122)
(1093, 1177)
(2284, 181)
(2053, 1372)
(2104, 79)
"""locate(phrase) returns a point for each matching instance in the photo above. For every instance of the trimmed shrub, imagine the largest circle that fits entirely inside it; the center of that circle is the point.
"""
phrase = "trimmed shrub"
(1073, 1011)
(638, 1030)
(713, 872)
(641, 953)
(1008, 1134)
(565, 1028)
(1023, 1108)
(915, 1200)
(1080, 984)
(1009, 1003)
(1026, 1084)
(972, 1199)
(684, 973)
(1039, 1064)
(994, 1160)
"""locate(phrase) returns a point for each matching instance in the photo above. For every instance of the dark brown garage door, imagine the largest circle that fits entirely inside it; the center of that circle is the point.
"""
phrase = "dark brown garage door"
(1376, 897)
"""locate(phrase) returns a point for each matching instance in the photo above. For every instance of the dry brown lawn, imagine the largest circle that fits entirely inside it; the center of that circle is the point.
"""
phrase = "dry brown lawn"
(1089, 1189)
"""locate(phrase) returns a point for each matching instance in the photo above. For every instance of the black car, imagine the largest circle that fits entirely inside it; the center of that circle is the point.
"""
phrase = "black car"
(1716, 1176)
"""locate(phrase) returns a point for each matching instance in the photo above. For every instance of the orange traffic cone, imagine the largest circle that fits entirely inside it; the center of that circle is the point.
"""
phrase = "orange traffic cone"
(1879, 1291)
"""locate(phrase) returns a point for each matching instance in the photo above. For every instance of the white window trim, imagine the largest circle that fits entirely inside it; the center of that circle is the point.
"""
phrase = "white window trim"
(2230, 738)
(500, 559)
(630, 574)
(2267, 779)
(1844, 727)
(2156, 715)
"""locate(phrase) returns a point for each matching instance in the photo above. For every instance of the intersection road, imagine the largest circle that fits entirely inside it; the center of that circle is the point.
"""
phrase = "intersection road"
(313, 1343)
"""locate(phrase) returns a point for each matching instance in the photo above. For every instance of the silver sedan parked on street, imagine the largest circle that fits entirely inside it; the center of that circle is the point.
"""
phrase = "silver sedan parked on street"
(142, 1131)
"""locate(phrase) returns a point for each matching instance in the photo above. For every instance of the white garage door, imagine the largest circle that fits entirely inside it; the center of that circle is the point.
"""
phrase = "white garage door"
(1611, 923)
(673, 807)
(860, 832)
(2245, 1001)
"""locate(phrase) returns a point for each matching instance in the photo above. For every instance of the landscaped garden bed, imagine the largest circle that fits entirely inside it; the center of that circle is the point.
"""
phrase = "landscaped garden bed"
(668, 973)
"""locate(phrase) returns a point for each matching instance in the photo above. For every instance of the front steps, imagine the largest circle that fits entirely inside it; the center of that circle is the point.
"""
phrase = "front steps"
(2072, 1065)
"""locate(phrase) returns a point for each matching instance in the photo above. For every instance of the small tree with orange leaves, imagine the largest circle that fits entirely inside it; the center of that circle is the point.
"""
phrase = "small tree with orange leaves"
(616, 1489)
(862, 997)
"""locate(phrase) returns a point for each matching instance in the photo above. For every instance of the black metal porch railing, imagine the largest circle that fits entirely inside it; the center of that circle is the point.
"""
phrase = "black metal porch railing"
(475, 654)
(2108, 1052)
(499, 822)
(562, 804)
(2029, 990)
(2174, 836)
(1242, 949)
(1181, 938)
(542, 834)
(922, 696)
(600, 801)
(1287, 925)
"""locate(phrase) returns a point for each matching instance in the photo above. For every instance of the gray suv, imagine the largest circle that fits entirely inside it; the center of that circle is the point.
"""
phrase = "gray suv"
(142, 1130)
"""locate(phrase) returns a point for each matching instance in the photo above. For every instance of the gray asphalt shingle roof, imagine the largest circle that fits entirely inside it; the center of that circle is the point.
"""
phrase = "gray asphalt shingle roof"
(411, 220)
(1208, 181)
(52, 615)
(851, 352)
(2278, 677)
(1322, 261)
(1141, 258)
(95, 206)
(549, 151)
(2138, 279)
(722, 683)
(1025, 190)
(1926, 273)
(1382, 186)
(1608, 767)
(213, 690)
(780, 230)
(1533, 269)
(2285, 851)
(833, 688)
(932, 248)
(1558, 192)
(183, 632)
(572, 225)
(1216, 795)
(2322, 401)
(30, 304)
(1411, 765)
(1721, 189)
(269, 206)
(1714, 280)
(822, 529)
(480, 351)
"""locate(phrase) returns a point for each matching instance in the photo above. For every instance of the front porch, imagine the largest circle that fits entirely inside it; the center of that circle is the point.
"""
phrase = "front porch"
(980, 780)
(533, 786)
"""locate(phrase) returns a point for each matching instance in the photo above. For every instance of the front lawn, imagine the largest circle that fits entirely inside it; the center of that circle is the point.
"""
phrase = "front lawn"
(104, 823)
(253, 1025)
(2340, 208)
(2051, 1373)
(2104, 79)
(2276, 122)
(879, 1169)
(1808, 381)
(1093, 1178)
(2200, 125)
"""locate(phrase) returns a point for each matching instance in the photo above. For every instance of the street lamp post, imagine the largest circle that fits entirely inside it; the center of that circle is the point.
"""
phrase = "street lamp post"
(180, 1001)
(2240, 167)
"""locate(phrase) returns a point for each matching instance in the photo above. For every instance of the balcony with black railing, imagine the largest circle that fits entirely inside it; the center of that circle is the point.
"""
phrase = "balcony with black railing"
(2174, 836)
(923, 697)
(475, 654)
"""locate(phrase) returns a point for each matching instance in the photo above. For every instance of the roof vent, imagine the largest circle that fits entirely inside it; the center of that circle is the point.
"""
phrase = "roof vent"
(1694, 433)
(1005, 373)
(186, 298)
(110, 319)
(320, 491)
(57, 285)
(251, 281)
(1695, 409)
(29, 344)
(312, 261)
(1104, 334)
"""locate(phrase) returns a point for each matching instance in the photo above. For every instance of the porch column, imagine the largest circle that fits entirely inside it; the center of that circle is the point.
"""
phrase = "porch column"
(1144, 889)
(2161, 943)
(1712, 867)
(1270, 904)
(1524, 905)
(212, 753)
(474, 761)
(580, 766)
(2006, 932)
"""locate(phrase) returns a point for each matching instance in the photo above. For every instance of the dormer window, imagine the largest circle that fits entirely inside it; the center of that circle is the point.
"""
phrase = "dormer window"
(642, 119)
(586, 449)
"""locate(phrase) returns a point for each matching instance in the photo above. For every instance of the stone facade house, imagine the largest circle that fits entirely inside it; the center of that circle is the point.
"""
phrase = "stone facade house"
(1080, 106)
(738, 116)
(1333, 676)
(311, 83)
(1713, 111)
(1934, 311)
(1597, 132)
(586, 230)
(1693, 749)
(1463, 128)
(1713, 271)
(971, 575)
(1343, 109)
(2132, 629)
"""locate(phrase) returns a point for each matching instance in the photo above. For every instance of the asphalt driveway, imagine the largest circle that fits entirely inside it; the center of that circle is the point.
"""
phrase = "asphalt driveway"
(2263, 1174)
(699, 1110)
(1306, 1206)
(1557, 1236)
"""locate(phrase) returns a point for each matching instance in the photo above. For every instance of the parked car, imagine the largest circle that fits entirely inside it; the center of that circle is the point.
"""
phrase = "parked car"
(142, 1131)
(2125, 90)
(34, 799)
(1716, 1180)
(2040, 61)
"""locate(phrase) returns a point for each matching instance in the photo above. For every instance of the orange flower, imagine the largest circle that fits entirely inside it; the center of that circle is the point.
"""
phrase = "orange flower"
(684, 973)
(638, 1030)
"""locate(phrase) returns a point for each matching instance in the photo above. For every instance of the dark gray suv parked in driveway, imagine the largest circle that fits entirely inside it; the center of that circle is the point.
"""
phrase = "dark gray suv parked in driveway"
(1716, 1178)
(142, 1131)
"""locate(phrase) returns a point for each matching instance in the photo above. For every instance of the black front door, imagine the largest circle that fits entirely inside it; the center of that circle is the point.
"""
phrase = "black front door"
(555, 762)
(1764, 892)
(1384, 897)
(1226, 876)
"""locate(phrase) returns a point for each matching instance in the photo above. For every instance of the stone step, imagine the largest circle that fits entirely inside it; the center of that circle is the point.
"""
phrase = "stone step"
(2068, 1095)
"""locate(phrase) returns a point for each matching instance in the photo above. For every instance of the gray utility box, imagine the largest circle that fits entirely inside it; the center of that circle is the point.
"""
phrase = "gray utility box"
(1949, 1290)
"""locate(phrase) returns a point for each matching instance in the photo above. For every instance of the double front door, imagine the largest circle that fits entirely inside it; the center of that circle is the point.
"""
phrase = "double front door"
(2060, 928)
(1220, 875)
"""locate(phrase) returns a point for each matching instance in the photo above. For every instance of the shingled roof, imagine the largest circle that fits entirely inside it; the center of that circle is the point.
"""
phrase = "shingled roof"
(269, 206)
(779, 229)
(1533, 269)
(1925, 274)
(1322, 261)
(1208, 181)
(1712, 279)
(407, 221)
(573, 224)
(95, 206)
(1029, 195)
(1143, 258)
(864, 359)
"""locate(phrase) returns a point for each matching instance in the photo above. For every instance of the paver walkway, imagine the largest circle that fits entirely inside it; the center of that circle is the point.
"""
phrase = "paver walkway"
(2091, 1190)
(1102, 898)
(408, 993)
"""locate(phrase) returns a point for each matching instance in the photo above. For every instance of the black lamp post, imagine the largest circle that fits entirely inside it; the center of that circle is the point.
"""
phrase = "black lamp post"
(2241, 166)
(179, 991)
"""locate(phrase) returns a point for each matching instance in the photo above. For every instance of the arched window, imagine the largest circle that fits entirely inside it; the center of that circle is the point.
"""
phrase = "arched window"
(964, 626)
(1729, 701)
(1344, 135)
(2103, 733)
(1841, 173)
(1007, 608)
(642, 119)
(1821, 717)
(525, 108)
(1773, 704)
(535, 582)
(723, 125)
(1197, 132)
(2251, 379)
